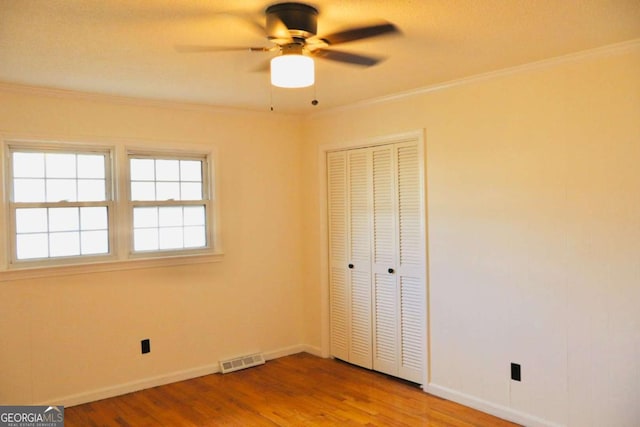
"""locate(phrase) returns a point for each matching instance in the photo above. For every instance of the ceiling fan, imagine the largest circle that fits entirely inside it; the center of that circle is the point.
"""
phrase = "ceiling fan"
(292, 27)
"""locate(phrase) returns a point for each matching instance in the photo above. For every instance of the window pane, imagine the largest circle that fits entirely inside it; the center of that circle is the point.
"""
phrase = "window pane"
(171, 238)
(59, 190)
(194, 215)
(64, 244)
(94, 219)
(30, 246)
(145, 217)
(31, 220)
(190, 191)
(142, 169)
(91, 166)
(28, 190)
(168, 191)
(167, 170)
(168, 226)
(60, 165)
(191, 170)
(28, 165)
(143, 191)
(145, 239)
(94, 242)
(61, 229)
(91, 190)
(171, 216)
(64, 219)
(194, 237)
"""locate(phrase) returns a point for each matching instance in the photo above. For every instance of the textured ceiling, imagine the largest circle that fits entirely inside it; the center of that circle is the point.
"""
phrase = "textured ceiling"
(127, 47)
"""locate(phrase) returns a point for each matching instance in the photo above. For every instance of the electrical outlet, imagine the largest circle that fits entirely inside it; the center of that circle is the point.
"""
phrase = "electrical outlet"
(515, 372)
(145, 346)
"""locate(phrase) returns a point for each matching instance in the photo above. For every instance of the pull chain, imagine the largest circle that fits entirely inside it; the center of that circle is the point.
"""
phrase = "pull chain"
(314, 101)
(270, 97)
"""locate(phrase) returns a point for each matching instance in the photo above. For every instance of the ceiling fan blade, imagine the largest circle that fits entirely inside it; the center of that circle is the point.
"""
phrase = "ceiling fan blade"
(349, 58)
(197, 48)
(360, 33)
(278, 31)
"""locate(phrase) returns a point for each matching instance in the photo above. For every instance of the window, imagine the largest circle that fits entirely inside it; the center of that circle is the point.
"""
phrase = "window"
(60, 203)
(168, 201)
(66, 205)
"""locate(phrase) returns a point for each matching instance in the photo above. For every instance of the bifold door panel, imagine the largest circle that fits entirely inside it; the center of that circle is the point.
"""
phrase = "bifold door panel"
(377, 258)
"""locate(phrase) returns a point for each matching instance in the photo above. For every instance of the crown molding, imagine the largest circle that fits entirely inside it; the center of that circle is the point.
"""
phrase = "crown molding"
(131, 101)
(603, 51)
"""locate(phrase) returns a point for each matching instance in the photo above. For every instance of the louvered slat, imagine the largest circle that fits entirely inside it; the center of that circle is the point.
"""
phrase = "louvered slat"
(360, 351)
(386, 338)
(337, 205)
(339, 314)
(383, 208)
(359, 206)
(411, 312)
(410, 244)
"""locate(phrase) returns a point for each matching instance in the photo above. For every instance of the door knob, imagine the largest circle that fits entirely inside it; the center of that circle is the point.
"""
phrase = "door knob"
(391, 270)
(350, 265)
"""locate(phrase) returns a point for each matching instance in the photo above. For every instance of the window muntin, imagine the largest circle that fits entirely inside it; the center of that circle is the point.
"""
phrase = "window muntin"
(60, 203)
(169, 203)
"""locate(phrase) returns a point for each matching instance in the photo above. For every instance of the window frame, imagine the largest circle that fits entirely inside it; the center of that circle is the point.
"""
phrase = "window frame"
(207, 200)
(120, 213)
(13, 206)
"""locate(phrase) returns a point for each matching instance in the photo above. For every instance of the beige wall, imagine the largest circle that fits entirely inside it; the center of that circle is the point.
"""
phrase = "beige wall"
(67, 339)
(534, 235)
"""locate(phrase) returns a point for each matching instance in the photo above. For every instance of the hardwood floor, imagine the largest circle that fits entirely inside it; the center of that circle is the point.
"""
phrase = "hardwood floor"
(298, 390)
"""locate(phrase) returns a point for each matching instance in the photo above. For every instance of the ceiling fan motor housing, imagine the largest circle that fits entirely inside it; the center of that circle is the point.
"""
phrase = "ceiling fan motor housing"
(301, 19)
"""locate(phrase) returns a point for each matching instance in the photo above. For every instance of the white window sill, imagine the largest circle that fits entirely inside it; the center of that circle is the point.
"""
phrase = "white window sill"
(130, 264)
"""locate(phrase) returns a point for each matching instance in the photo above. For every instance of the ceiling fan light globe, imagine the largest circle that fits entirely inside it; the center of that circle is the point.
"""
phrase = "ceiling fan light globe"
(292, 71)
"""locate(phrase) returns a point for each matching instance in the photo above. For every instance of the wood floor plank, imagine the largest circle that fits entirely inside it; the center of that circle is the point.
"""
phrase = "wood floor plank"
(298, 390)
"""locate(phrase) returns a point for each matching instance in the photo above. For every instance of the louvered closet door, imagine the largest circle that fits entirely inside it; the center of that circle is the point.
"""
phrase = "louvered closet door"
(339, 289)
(411, 269)
(349, 203)
(359, 255)
(398, 262)
(377, 258)
(385, 290)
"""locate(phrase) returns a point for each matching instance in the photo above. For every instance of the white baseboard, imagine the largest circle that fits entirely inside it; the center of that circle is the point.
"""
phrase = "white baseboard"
(282, 352)
(500, 411)
(316, 351)
(129, 387)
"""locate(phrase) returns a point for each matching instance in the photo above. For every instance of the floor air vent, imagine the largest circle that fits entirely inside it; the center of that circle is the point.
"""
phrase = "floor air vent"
(243, 362)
